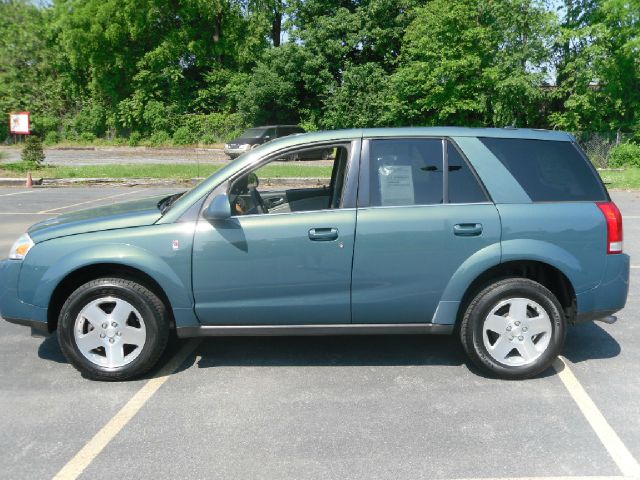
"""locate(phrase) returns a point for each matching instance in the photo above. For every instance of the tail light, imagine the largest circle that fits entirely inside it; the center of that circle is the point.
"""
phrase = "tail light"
(614, 226)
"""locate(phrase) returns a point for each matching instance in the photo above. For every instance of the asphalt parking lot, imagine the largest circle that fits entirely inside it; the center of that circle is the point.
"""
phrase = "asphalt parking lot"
(384, 407)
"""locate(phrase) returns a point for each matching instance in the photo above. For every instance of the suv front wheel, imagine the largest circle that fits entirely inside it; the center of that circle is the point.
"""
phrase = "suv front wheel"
(113, 329)
(513, 328)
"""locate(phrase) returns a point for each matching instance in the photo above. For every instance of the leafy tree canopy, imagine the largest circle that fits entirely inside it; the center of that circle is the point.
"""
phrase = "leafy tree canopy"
(94, 68)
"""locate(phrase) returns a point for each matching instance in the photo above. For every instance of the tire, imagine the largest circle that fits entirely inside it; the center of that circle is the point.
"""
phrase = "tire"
(113, 329)
(513, 329)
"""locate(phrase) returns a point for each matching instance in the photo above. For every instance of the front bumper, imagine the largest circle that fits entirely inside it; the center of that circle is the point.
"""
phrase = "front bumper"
(12, 309)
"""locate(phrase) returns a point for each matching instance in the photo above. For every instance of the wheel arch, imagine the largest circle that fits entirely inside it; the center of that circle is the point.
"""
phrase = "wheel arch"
(87, 273)
(551, 277)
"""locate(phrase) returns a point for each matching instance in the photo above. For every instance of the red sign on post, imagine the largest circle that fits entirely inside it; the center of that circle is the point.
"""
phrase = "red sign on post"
(20, 123)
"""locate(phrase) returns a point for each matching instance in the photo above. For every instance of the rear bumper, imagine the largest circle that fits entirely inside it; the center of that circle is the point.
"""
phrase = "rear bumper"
(12, 309)
(610, 295)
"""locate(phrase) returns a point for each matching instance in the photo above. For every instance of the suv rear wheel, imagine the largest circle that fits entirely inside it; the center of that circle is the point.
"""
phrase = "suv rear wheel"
(513, 328)
(113, 329)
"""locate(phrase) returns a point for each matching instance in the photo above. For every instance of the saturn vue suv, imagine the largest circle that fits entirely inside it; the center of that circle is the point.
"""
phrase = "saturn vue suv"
(503, 237)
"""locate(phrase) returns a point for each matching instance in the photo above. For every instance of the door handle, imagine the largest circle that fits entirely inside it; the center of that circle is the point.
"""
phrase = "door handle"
(467, 229)
(323, 234)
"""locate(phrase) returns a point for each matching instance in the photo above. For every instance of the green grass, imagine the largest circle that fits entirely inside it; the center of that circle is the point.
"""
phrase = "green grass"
(628, 178)
(161, 171)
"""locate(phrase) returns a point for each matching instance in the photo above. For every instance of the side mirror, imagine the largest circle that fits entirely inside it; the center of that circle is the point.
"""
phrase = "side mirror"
(219, 208)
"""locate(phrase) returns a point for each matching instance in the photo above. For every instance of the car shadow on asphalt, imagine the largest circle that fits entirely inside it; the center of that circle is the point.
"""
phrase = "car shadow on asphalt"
(347, 351)
(584, 342)
(589, 341)
(49, 349)
(330, 351)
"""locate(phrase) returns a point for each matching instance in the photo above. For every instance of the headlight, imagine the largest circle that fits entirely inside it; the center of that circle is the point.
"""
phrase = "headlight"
(246, 146)
(21, 247)
(226, 146)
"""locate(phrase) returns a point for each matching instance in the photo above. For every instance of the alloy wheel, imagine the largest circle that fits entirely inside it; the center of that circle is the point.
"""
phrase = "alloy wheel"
(517, 331)
(110, 332)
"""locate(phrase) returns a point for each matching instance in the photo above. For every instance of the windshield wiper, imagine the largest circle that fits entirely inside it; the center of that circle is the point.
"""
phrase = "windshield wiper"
(165, 204)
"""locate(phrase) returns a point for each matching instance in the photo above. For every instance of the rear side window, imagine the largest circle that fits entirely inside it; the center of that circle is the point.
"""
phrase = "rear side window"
(405, 172)
(463, 185)
(409, 171)
(549, 171)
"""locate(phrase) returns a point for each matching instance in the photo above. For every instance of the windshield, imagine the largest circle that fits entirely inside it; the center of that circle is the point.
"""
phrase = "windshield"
(254, 133)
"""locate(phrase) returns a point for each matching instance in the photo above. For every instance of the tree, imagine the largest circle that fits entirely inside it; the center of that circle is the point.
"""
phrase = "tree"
(599, 71)
(102, 67)
(352, 32)
(127, 54)
(286, 86)
(474, 62)
(29, 75)
(32, 151)
(362, 100)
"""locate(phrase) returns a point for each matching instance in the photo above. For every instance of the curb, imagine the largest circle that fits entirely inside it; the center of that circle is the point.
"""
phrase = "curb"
(126, 148)
(122, 182)
(18, 182)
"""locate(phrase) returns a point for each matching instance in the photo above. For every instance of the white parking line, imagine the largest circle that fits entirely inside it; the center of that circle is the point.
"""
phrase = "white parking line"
(90, 201)
(607, 435)
(22, 213)
(74, 468)
(15, 193)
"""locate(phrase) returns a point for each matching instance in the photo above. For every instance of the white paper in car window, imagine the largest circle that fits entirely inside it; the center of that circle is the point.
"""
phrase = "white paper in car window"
(396, 185)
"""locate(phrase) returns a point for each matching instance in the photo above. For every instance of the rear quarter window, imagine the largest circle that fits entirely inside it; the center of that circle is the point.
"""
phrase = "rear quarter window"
(548, 171)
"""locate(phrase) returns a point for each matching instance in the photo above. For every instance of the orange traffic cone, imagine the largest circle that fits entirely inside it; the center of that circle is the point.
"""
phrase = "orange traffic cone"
(29, 183)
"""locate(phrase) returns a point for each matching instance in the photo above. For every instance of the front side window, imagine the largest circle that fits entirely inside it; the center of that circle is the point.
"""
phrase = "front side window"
(272, 188)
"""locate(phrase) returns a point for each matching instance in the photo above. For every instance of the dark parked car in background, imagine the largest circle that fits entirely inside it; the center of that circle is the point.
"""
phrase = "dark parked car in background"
(252, 137)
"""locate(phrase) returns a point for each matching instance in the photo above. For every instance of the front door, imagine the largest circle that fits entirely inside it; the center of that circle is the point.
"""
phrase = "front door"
(285, 258)
(416, 227)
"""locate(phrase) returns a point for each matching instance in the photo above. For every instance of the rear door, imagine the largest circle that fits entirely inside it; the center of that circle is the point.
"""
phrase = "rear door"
(421, 214)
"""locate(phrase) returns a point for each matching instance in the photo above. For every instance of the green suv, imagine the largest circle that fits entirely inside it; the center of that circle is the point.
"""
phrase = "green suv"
(501, 236)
